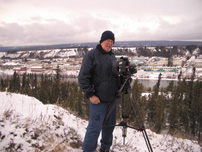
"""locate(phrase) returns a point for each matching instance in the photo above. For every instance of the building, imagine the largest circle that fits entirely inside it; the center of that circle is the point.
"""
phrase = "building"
(10, 65)
(162, 69)
(178, 62)
(72, 67)
(198, 63)
(37, 69)
(138, 60)
(20, 69)
(157, 61)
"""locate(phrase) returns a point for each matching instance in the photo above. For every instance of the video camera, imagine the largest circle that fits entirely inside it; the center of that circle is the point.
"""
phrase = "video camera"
(122, 67)
(124, 70)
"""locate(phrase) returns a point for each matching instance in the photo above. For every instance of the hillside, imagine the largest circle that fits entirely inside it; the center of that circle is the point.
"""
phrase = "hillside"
(164, 51)
(28, 125)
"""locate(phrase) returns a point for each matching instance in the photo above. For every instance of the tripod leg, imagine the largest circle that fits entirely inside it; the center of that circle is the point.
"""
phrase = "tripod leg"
(149, 147)
(143, 130)
(110, 109)
(124, 132)
(113, 104)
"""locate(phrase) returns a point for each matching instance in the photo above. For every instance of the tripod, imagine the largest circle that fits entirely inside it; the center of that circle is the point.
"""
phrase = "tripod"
(126, 89)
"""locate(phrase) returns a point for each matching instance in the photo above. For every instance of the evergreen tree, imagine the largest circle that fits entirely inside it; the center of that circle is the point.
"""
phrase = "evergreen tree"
(199, 111)
(23, 83)
(139, 103)
(28, 89)
(42, 95)
(14, 85)
(64, 91)
(79, 103)
(70, 100)
(195, 108)
(152, 103)
(170, 87)
(157, 86)
(138, 89)
(183, 104)
(159, 114)
(150, 109)
(35, 85)
(2, 85)
(56, 87)
(177, 107)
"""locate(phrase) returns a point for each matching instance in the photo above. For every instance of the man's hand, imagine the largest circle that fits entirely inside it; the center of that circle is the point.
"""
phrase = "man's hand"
(94, 100)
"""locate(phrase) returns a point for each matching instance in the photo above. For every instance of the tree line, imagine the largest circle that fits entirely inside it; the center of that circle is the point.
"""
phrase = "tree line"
(161, 51)
(176, 108)
(49, 90)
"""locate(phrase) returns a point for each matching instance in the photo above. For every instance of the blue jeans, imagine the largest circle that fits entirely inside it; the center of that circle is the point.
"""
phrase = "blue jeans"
(95, 126)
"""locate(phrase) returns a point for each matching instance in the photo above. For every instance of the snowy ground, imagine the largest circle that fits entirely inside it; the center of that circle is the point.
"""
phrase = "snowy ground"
(27, 125)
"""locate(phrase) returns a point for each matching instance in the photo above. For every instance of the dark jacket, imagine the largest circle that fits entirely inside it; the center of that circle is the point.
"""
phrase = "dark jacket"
(96, 77)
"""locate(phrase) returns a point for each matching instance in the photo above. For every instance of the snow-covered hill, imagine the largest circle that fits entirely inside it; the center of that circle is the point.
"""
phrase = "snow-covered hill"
(59, 53)
(79, 52)
(28, 125)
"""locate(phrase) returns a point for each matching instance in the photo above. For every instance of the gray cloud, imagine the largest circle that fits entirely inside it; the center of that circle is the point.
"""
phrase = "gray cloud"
(54, 32)
(51, 22)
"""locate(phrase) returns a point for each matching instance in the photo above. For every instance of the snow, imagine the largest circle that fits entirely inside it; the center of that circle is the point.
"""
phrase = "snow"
(11, 63)
(2, 54)
(26, 125)
(51, 53)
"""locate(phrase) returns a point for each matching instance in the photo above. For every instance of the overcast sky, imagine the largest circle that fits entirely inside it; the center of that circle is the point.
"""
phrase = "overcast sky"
(41, 22)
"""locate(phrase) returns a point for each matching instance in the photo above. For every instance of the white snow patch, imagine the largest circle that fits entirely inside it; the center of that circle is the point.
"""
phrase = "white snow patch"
(28, 125)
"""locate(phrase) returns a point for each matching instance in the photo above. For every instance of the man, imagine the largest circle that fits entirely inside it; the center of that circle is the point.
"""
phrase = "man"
(100, 85)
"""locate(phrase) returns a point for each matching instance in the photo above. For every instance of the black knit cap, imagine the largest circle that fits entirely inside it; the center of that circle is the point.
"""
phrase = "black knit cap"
(107, 35)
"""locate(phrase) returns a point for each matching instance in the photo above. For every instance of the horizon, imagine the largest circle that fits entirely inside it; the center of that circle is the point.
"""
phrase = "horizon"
(194, 41)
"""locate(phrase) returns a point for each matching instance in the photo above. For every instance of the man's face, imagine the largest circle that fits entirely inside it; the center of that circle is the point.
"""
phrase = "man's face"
(107, 45)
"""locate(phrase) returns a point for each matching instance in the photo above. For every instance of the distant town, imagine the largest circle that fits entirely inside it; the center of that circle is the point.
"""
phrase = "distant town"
(69, 60)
